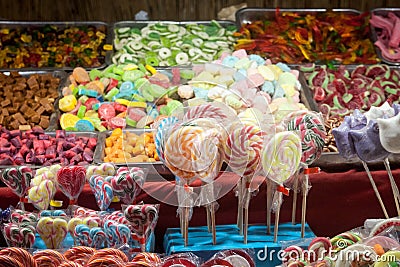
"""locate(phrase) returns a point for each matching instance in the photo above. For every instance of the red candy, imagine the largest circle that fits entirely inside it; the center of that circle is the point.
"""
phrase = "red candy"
(71, 180)
(106, 111)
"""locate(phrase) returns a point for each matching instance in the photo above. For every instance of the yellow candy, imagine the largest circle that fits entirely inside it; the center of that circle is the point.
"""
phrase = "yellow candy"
(130, 67)
(289, 90)
(91, 114)
(73, 222)
(108, 47)
(68, 120)
(41, 194)
(67, 103)
(267, 73)
(133, 104)
(151, 69)
(52, 231)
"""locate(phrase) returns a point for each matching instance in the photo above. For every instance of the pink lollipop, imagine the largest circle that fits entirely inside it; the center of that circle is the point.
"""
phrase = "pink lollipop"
(18, 179)
(71, 180)
(143, 219)
(242, 152)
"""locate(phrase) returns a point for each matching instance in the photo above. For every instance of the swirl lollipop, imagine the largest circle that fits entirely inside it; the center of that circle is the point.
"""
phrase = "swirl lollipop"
(128, 183)
(143, 220)
(280, 160)
(242, 152)
(70, 180)
(312, 134)
(103, 191)
(18, 180)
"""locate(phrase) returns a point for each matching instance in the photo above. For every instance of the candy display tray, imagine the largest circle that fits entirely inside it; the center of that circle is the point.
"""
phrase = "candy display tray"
(383, 12)
(333, 159)
(61, 25)
(62, 75)
(154, 168)
(249, 15)
(141, 24)
(53, 134)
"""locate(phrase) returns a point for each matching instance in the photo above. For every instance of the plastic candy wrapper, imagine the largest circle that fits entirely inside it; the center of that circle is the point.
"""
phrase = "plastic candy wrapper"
(18, 179)
(19, 234)
(142, 219)
(182, 259)
(235, 257)
(71, 180)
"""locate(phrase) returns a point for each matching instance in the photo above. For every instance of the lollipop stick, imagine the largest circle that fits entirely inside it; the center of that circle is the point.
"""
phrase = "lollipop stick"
(246, 210)
(22, 204)
(277, 212)
(208, 220)
(375, 189)
(186, 236)
(294, 206)
(214, 230)
(269, 205)
(240, 206)
(304, 204)
(395, 189)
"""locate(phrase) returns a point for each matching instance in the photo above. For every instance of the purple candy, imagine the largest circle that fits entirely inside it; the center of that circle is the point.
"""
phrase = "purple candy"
(343, 141)
(367, 143)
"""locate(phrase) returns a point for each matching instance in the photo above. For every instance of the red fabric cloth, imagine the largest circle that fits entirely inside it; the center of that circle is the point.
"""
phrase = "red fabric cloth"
(337, 202)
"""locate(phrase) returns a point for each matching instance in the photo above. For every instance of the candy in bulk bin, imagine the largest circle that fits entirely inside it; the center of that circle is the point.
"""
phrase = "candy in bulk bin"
(169, 44)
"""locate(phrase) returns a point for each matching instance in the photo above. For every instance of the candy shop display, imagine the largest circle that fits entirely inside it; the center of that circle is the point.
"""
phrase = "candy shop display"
(216, 106)
(128, 146)
(169, 44)
(36, 147)
(52, 45)
(385, 23)
(341, 37)
(28, 100)
(341, 90)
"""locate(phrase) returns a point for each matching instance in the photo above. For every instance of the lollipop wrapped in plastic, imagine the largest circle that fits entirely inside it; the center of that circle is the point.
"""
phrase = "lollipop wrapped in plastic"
(18, 179)
(127, 184)
(102, 190)
(70, 180)
(19, 234)
(344, 143)
(280, 160)
(389, 133)
(367, 143)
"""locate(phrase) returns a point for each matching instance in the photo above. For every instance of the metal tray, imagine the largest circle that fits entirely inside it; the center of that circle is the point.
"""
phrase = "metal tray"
(383, 12)
(154, 168)
(62, 25)
(143, 23)
(333, 160)
(62, 75)
(249, 15)
(53, 134)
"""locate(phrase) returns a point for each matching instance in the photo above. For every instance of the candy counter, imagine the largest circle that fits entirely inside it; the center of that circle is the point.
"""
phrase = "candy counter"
(134, 140)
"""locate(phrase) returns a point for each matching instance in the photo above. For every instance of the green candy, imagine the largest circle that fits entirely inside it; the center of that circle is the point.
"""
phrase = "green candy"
(94, 73)
(132, 75)
(130, 122)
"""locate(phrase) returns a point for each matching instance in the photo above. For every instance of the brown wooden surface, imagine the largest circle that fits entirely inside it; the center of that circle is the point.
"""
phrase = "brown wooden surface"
(118, 10)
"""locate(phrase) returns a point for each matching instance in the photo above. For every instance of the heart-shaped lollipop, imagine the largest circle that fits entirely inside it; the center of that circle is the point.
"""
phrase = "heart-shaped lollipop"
(19, 235)
(71, 180)
(103, 191)
(127, 184)
(40, 195)
(17, 179)
(52, 231)
(98, 237)
(117, 234)
(82, 235)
